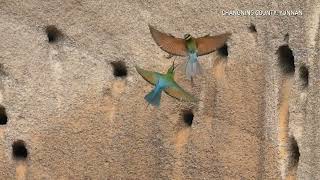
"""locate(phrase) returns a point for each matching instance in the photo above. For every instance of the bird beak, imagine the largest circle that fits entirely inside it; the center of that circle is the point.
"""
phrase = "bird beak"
(173, 64)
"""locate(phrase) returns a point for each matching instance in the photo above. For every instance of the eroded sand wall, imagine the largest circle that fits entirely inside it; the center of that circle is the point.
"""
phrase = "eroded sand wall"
(78, 121)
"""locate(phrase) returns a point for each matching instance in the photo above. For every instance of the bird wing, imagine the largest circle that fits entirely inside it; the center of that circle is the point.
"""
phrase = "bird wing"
(208, 44)
(150, 76)
(177, 92)
(169, 43)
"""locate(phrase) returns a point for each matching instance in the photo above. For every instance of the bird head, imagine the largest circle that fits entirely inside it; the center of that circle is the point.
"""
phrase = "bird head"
(187, 37)
(171, 69)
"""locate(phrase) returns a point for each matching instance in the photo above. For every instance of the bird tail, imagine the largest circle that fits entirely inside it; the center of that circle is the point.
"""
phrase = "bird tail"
(193, 66)
(154, 97)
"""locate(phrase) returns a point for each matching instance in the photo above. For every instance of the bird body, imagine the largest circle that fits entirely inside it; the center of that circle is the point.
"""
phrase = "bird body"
(163, 82)
(191, 43)
(189, 46)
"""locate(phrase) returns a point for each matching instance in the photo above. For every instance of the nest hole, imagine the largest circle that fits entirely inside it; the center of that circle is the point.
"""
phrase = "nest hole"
(187, 116)
(252, 28)
(304, 75)
(3, 116)
(19, 150)
(223, 51)
(294, 153)
(286, 59)
(119, 69)
(53, 34)
(2, 71)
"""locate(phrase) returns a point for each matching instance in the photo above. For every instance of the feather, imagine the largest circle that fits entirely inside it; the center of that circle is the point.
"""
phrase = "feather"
(169, 43)
(208, 44)
(154, 96)
(150, 76)
(193, 66)
(177, 92)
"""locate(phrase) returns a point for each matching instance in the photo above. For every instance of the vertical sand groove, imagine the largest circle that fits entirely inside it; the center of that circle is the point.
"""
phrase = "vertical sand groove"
(21, 171)
(218, 69)
(284, 124)
(313, 25)
(180, 140)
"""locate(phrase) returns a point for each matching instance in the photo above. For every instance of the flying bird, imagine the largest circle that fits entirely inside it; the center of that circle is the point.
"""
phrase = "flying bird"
(189, 46)
(163, 82)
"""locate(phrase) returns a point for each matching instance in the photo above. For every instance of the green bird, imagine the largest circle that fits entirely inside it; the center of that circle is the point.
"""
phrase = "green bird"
(163, 82)
(189, 46)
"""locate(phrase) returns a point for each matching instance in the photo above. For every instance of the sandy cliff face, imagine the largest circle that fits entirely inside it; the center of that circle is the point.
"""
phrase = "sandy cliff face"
(258, 117)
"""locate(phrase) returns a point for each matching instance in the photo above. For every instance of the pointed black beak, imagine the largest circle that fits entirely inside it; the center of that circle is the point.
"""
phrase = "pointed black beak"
(173, 64)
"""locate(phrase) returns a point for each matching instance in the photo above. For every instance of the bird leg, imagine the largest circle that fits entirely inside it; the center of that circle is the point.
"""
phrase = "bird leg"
(192, 84)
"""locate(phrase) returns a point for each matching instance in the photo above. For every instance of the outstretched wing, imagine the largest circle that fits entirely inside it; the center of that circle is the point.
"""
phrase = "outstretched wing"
(208, 44)
(177, 92)
(150, 76)
(169, 43)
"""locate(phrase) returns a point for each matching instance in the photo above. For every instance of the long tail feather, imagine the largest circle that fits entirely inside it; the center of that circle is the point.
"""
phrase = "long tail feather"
(193, 67)
(154, 97)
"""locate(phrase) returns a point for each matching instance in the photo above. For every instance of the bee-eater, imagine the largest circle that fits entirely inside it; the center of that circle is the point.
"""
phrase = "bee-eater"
(163, 82)
(189, 46)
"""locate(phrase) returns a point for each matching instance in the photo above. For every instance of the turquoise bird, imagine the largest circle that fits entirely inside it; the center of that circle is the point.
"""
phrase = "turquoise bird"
(189, 46)
(163, 82)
